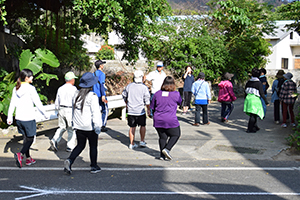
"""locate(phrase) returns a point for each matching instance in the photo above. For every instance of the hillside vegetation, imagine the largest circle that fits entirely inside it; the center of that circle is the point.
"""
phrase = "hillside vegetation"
(201, 5)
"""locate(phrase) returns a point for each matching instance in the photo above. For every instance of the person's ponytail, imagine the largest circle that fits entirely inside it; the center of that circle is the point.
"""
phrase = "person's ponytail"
(18, 83)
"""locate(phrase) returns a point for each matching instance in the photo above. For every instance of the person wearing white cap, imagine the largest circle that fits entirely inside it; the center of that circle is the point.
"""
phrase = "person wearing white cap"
(157, 78)
(63, 103)
(136, 96)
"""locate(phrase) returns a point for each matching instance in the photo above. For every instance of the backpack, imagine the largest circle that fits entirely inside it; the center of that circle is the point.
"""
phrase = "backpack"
(280, 82)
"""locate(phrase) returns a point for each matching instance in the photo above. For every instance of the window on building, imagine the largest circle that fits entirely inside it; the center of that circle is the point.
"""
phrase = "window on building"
(284, 63)
(291, 35)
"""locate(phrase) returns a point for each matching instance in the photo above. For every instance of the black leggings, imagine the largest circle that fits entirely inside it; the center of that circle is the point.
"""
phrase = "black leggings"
(252, 124)
(27, 142)
(81, 142)
(164, 133)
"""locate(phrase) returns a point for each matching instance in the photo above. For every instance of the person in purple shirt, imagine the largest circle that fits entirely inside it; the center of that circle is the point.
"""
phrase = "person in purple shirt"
(164, 104)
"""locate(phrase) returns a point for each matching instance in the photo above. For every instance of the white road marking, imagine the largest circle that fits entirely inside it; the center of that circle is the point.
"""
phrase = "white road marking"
(41, 192)
(159, 169)
(35, 192)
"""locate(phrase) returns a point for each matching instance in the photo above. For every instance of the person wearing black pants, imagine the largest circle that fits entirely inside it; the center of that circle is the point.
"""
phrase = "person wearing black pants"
(87, 122)
(168, 137)
(24, 97)
(165, 103)
(82, 136)
(253, 103)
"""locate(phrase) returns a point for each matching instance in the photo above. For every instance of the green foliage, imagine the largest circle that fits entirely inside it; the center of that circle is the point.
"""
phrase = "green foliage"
(34, 62)
(290, 12)
(3, 12)
(106, 53)
(30, 61)
(243, 23)
(294, 138)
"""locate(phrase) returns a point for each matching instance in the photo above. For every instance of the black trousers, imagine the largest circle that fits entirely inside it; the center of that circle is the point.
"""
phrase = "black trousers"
(82, 136)
(252, 124)
(276, 110)
(204, 114)
(168, 137)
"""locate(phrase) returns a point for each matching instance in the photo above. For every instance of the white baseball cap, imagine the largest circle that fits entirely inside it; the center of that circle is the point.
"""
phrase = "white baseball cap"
(138, 76)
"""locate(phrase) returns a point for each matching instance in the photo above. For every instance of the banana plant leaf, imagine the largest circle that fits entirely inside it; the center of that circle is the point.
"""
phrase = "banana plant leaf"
(29, 61)
(47, 57)
(47, 77)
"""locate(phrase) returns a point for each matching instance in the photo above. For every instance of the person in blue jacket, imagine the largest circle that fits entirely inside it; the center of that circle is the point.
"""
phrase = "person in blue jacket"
(100, 89)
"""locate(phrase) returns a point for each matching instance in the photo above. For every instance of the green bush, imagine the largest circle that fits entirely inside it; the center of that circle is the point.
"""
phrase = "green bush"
(106, 53)
(294, 138)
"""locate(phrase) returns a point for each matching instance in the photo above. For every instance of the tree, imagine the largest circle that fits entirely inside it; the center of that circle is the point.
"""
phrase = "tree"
(58, 25)
(243, 23)
(183, 42)
(290, 12)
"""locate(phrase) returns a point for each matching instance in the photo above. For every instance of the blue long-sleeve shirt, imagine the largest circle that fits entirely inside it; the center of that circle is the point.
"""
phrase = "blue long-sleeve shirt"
(201, 90)
(99, 88)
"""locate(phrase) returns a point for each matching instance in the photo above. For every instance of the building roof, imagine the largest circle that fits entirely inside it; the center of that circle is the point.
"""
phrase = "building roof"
(281, 31)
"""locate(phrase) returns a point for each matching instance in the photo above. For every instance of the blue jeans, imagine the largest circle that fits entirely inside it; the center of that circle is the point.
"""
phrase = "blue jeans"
(104, 111)
(226, 109)
(204, 115)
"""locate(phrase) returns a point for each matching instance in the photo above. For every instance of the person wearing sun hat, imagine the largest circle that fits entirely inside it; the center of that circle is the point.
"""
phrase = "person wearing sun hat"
(87, 122)
(276, 87)
(288, 98)
(226, 96)
(63, 103)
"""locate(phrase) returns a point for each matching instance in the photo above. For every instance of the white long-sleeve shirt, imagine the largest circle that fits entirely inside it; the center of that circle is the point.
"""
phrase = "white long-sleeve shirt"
(23, 100)
(64, 95)
(90, 118)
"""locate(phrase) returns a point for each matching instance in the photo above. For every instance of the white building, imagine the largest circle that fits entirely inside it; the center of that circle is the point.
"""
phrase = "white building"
(285, 47)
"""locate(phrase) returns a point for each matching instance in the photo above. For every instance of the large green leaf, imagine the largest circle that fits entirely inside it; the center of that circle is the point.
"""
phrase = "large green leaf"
(29, 61)
(47, 77)
(47, 57)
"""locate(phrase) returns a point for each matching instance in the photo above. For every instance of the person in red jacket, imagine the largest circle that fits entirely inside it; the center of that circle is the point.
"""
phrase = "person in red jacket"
(226, 96)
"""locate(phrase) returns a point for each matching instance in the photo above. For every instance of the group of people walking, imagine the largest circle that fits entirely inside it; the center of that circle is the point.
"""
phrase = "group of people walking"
(83, 113)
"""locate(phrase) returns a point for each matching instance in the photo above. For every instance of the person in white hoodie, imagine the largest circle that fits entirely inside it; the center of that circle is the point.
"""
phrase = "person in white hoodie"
(87, 122)
(23, 99)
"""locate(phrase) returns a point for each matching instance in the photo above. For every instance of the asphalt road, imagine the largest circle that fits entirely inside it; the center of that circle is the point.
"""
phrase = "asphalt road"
(228, 180)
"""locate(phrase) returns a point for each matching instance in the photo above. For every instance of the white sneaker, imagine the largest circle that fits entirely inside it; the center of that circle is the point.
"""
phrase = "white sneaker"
(133, 146)
(293, 124)
(143, 144)
(277, 122)
(284, 125)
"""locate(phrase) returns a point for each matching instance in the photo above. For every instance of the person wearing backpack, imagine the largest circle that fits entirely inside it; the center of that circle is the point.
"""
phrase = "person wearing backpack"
(99, 89)
(288, 98)
(276, 87)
